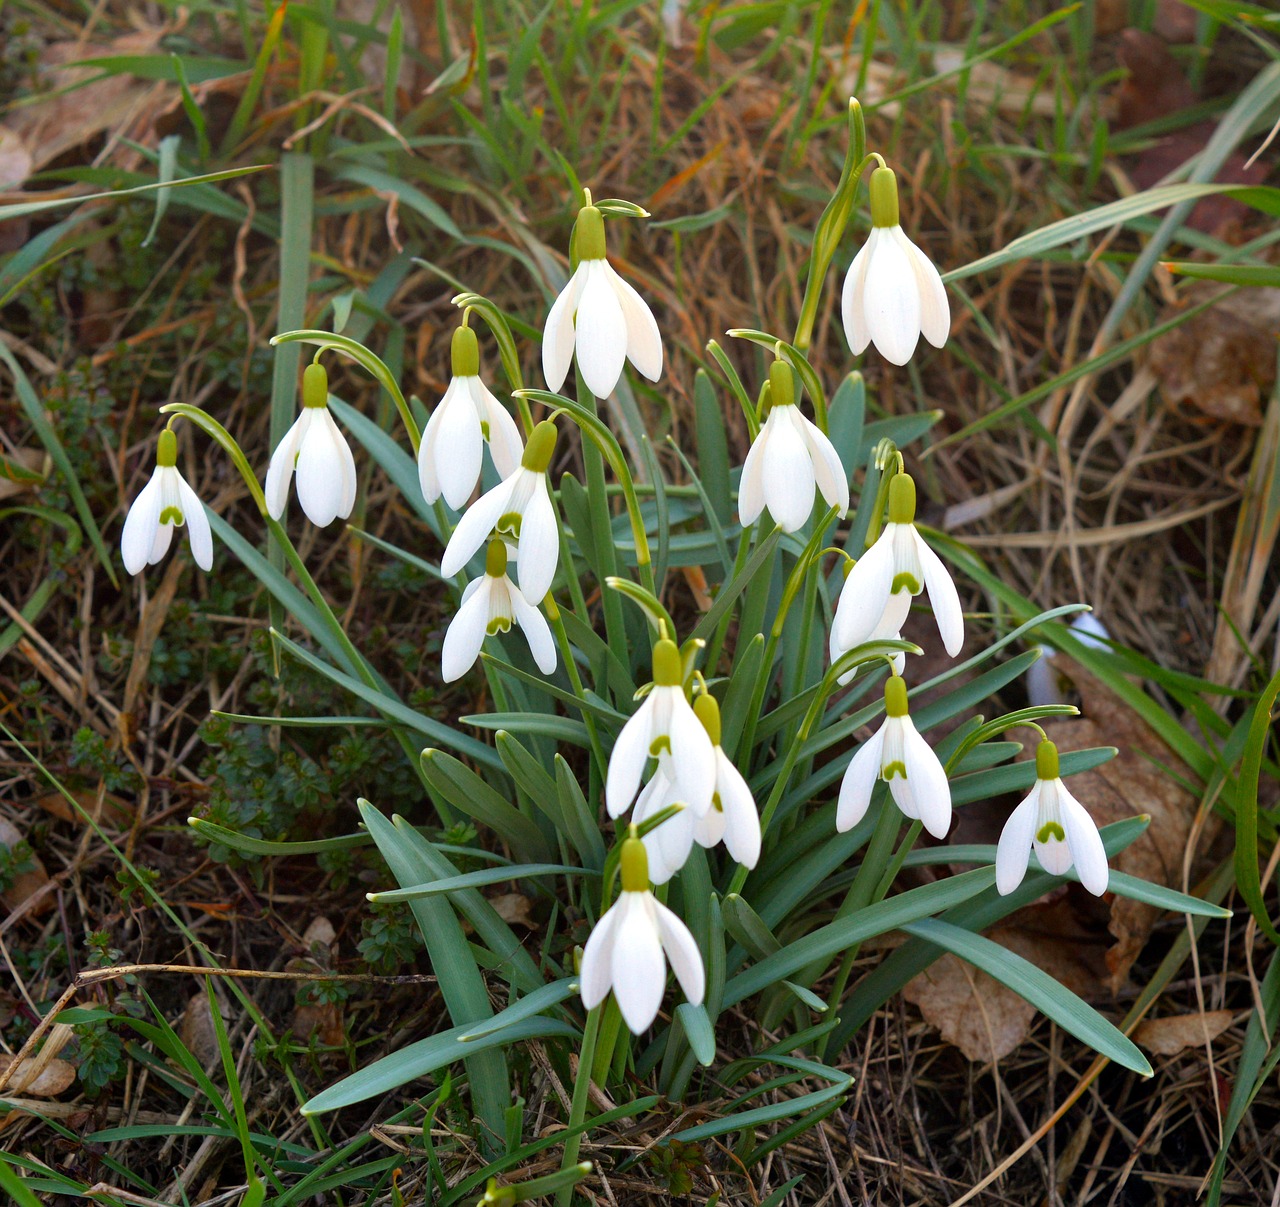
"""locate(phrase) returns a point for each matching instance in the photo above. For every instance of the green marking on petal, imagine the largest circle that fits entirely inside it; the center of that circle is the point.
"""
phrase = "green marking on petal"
(889, 770)
(1049, 830)
(499, 624)
(658, 745)
(171, 515)
(716, 803)
(905, 581)
(510, 522)
(484, 428)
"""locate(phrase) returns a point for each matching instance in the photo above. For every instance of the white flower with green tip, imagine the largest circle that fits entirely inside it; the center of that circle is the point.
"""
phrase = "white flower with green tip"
(733, 818)
(1058, 826)
(897, 754)
(788, 459)
(898, 564)
(315, 449)
(892, 294)
(490, 605)
(600, 317)
(466, 419)
(625, 950)
(518, 509)
(165, 503)
(668, 844)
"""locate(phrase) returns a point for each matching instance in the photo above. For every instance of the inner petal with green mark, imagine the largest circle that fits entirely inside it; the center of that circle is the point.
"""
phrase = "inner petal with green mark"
(905, 581)
(715, 802)
(1049, 830)
(484, 428)
(658, 745)
(889, 770)
(498, 624)
(510, 522)
(172, 515)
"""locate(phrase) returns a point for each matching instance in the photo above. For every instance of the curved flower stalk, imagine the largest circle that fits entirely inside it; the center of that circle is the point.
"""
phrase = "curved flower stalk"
(466, 419)
(733, 818)
(519, 508)
(1058, 826)
(490, 605)
(892, 293)
(897, 754)
(165, 503)
(625, 950)
(316, 449)
(664, 727)
(600, 317)
(898, 564)
(789, 458)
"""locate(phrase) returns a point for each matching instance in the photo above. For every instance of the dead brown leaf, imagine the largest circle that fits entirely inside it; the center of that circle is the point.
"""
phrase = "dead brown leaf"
(12, 480)
(1169, 1036)
(324, 1020)
(197, 1030)
(15, 160)
(513, 907)
(115, 811)
(26, 884)
(40, 1082)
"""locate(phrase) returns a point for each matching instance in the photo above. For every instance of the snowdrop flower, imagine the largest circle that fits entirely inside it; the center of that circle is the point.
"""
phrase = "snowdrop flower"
(489, 606)
(664, 727)
(166, 503)
(732, 817)
(625, 951)
(897, 754)
(893, 294)
(1045, 685)
(899, 563)
(889, 627)
(788, 458)
(599, 316)
(519, 508)
(668, 844)
(1058, 826)
(319, 452)
(465, 419)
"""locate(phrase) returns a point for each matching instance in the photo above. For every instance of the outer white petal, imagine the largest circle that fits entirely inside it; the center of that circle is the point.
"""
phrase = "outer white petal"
(627, 760)
(536, 630)
(741, 820)
(505, 446)
(891, 300)
(558, 335)
(935, 312)
(693, 758)
(644, 341)
(602, 332)
(943, 597)
(669, 844)
(859, 778)
(709, 829)
(280, 471)
(1043, 682)
(865, 593)
(639, 971)
(465, 635)
(475, 526)
(428, 479)
(682, 951)
(1087, 851)
(348, 469)
(320, 471)
(140, 526)
(788, 471)
(597, 959)
(1014, 848)
(751, 484)
(459, 445)
(852, 305)
(828, 469)
(198, 533)
(538, 552)
(926, 781)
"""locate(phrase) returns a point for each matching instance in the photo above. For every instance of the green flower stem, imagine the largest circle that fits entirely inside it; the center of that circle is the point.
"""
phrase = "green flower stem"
(372, 364)
(578, 1107)
(722, 630)
(208, 424)
(575, 679)
(507, 352)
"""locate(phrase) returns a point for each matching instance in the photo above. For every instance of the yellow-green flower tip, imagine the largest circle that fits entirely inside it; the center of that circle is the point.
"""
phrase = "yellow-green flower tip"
(315, 386)
(589, 237)
(667, 668)
(465, 353)
(1047, 761)
(167, 449)
(902, 499)
(709, 714)
(884, 197)
(634, 867)
(895, 696)
(541, 447)
(495, 560)
(782, 387)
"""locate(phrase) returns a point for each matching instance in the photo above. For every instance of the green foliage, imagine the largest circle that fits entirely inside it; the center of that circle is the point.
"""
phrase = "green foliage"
(14, 861)
(389, 943)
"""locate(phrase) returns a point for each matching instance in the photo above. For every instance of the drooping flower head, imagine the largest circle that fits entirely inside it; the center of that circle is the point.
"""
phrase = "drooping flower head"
(732, 817)
(787, 459)
(165, 503)
(893, 293)
(1058, 826)
(466, 419)
(664, 727)
(490, 605)
(897, 754)
(317, 450)
(600, 317)
(625, 950)
(518, 509)
(900, 565)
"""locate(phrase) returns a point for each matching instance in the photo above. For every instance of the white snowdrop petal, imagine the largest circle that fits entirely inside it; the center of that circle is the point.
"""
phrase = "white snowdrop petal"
(644, 340)
(928, 781)
(597, 960)
(538, 553)
(943, 597)
(505, 446)
(788, 472)
(348, 463)
(558, 335)
(682, 951)
(464, 637)
(198, 532)
(475, 526)
(852, 303)
(459, 445)
(865, 593)
(1043, 685)
(859, 778)
(828, 469)
(892, 301)
(140, 526)
(1013, 852)
(935, 312)
(751, 484)
(1087, 851)
(536, 630)
(639, 972)
(627, 760)
(280, 471)
(602, 332)
(692, 755)
(319, 475)
(668, 845)
(741, 819)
